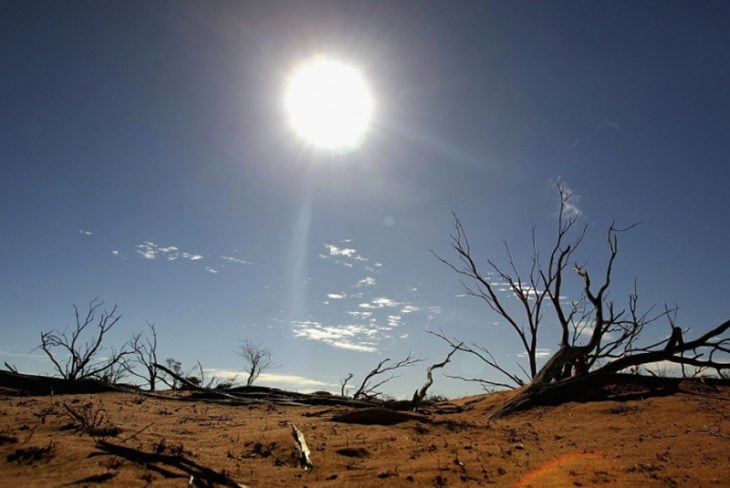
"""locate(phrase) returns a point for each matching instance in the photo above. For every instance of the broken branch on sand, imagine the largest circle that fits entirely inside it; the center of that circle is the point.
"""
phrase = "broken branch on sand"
(304, 459)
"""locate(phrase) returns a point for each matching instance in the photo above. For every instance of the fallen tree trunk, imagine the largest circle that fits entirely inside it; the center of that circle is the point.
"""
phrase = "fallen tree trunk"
(596, 386)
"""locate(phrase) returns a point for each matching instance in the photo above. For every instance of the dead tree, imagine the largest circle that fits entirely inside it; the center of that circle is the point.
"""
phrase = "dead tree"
(420, 394)
(368, 390)
(144, 357)
(256, 358)
(535, 290)
(80, 348)
(613, 343)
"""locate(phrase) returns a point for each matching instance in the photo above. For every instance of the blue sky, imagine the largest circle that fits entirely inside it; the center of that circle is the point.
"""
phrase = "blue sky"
(146, 159)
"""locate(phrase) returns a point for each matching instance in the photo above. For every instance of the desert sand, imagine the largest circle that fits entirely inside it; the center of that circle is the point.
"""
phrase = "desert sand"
(129, 439)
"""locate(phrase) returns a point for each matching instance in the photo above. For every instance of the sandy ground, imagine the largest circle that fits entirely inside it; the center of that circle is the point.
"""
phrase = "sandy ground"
(681, 440)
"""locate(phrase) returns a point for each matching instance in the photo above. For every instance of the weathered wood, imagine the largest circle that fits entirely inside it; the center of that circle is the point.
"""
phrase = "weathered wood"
(595, 386)
(304, 454)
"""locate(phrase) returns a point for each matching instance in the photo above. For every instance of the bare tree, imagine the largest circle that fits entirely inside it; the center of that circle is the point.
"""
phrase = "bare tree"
(144, 356)
(256, 358)
(613, 332)
(420, 394)
(80, 348)
(539, 287)
(368, 389)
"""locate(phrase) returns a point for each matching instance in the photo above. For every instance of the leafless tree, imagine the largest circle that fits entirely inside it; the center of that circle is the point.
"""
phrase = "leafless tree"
(535, 290)
(80, 349)
(420, 394)
(144, 357)
(613, 333)
(256, 358)
(368, 389)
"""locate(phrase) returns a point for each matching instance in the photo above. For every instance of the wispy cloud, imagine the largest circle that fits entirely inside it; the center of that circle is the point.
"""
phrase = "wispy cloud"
(571, 208)
(336, 296)
(367, 281)
(344, 256)
(539, 353)
(152, 251)
(353, 337)
(84, 232)
(360, 315)
(234, 260)
(148, 250)
(21, 355)
(337, 251)
(609, 124)
(287, 380)
(380, 302)
(394, 321)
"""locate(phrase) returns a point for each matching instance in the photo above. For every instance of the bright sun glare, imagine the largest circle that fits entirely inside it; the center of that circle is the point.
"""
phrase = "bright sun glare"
(328, 104)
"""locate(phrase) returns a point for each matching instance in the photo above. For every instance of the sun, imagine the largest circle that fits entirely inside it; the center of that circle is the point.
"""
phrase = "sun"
(328, 104)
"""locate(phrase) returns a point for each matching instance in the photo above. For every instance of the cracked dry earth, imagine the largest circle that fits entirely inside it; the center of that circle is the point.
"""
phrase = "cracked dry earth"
(123, 439)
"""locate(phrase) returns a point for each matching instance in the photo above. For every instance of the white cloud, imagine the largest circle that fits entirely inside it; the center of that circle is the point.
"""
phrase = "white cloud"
(408, 309)
(361, 315)
(381, 302)
(539, 353)
(394, 321)
(148, 250)
(289, 380)
(151, 251)
(336, 251)
(367, 281)
(347, 253)
(211, 270)
(336, 296)
(85, 232)
(22, 355)
(571, 208)
(665, 368)
(351, 337)
(231, 259)
(115, 252)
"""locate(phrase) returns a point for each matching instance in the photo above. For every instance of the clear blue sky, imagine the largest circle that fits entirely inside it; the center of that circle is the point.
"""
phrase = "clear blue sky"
(146, 159)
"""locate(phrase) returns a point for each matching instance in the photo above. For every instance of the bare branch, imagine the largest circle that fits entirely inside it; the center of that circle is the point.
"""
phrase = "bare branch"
(419, 395)
(78, 357)
(481, 353)
(369, 390)
(343, 384)
(144, 355)
(256, 358)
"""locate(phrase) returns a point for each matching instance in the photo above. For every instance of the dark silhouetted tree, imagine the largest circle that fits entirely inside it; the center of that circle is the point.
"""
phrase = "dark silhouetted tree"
(257, 359)
(76, 354)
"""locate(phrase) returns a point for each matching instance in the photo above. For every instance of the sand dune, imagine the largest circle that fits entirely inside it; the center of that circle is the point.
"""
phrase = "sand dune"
(682, 440)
